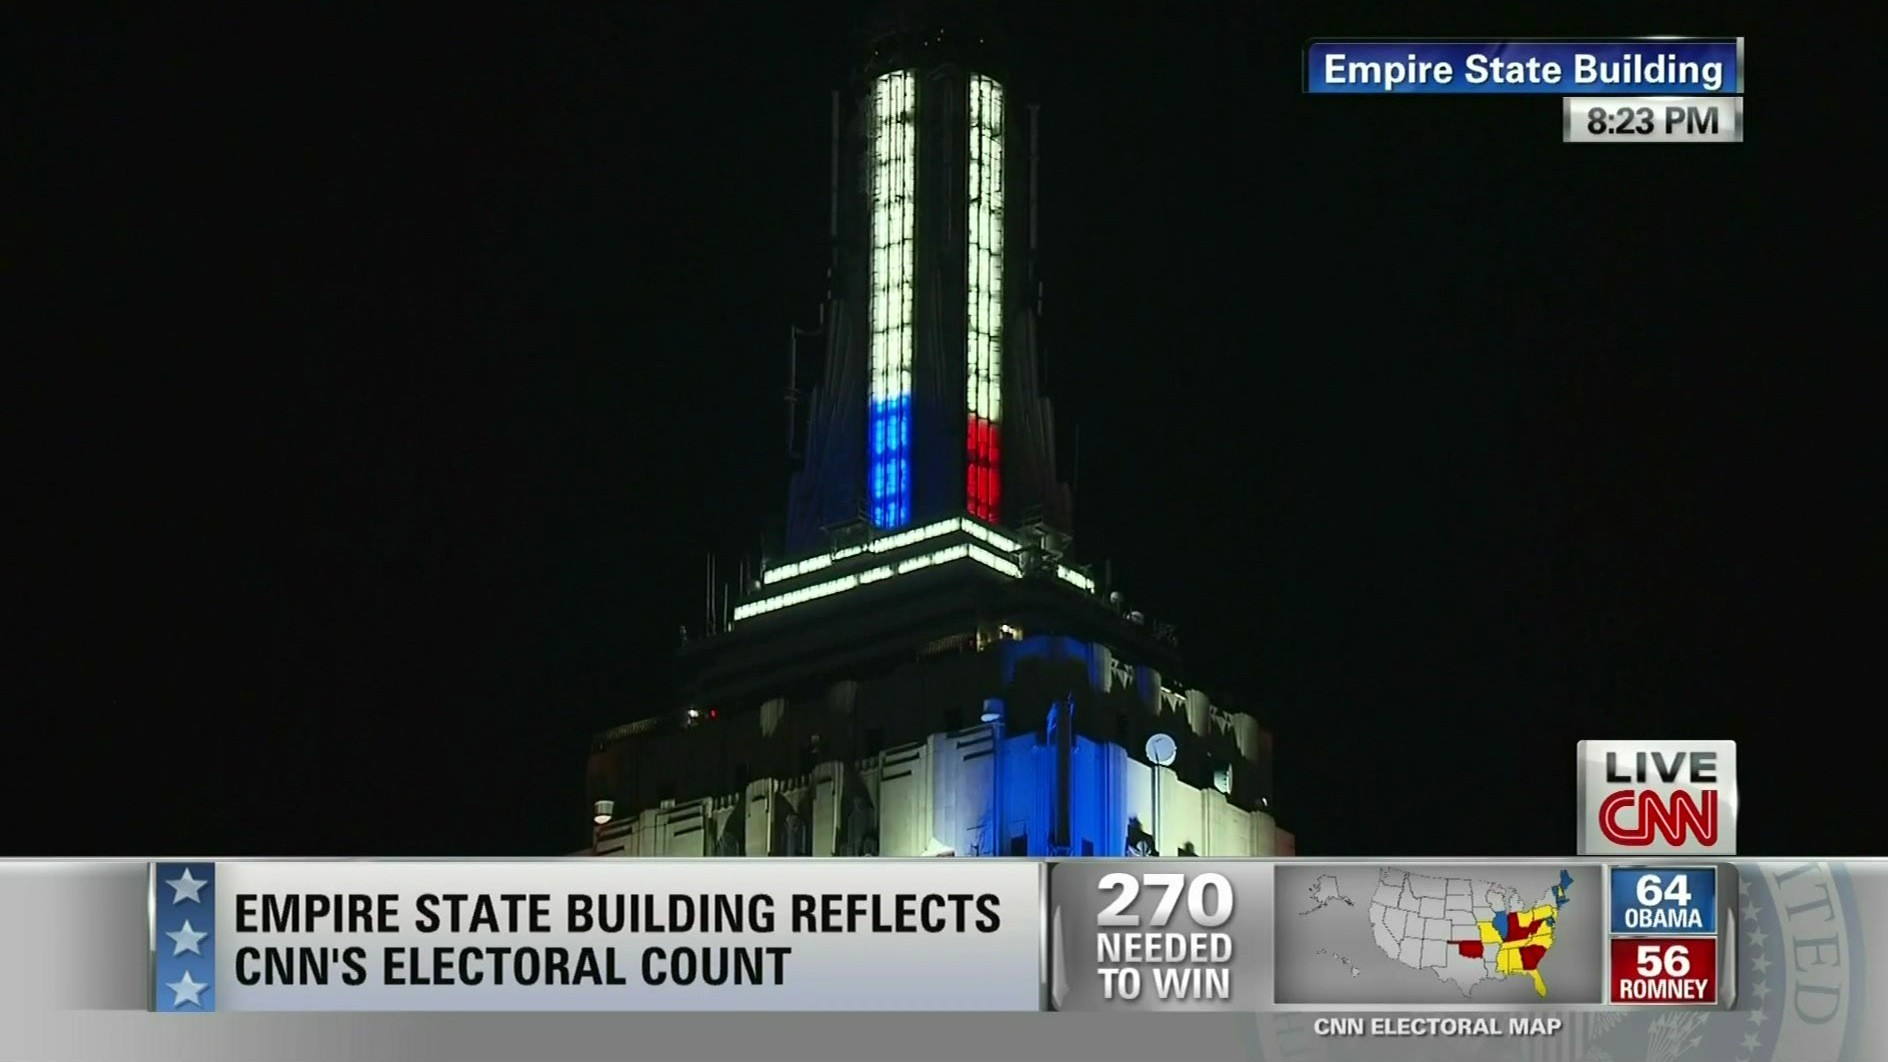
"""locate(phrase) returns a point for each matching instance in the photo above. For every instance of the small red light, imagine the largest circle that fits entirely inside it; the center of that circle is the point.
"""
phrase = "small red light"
(712, 713)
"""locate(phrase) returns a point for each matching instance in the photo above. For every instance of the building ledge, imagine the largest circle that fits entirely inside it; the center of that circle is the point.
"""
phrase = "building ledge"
(959, 539)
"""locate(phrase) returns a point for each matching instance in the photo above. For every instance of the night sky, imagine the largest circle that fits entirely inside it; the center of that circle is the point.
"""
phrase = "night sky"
(397, 374)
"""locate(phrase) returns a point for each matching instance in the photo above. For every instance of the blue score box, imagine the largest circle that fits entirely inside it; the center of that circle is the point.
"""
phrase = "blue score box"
(1664, 901)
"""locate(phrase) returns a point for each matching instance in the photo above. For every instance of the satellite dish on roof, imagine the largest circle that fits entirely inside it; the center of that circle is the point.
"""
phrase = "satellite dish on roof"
(1161, 750)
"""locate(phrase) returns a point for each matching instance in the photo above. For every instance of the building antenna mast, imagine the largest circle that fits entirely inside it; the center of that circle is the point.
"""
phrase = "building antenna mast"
(832, 199)
(1035, 158)
(793, 391)
(795, 332)
(1075, 463)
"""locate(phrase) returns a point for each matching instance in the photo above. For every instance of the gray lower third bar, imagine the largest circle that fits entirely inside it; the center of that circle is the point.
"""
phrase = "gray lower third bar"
(1653, 120)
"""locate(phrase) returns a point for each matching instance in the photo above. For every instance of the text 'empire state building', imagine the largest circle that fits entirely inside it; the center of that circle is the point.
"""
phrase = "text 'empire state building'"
(925, 670)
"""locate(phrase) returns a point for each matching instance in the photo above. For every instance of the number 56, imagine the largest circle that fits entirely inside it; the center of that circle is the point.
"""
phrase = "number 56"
(1656, 960)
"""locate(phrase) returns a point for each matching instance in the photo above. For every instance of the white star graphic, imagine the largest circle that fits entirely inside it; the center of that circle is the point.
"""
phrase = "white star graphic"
(1762, 991)
(187, 888)
(1758, 936)
(1757, 1017)
(1744, 886)
(188, 991)
(1751, 1042)
(187, 939)
(1752, 910)
(1761, 963)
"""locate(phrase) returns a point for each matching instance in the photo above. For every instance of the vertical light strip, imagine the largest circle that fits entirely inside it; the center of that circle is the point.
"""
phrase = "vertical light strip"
(894, 225)
(983, 464)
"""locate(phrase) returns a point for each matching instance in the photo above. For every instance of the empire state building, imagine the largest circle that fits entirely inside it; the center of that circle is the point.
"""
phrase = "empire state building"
(925, 668)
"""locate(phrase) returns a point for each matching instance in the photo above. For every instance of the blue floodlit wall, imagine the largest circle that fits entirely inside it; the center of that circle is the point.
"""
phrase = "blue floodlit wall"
(1106, 787)
(889, 461)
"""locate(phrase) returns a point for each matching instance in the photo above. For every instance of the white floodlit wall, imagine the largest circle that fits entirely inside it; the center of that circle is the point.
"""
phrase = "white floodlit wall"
(985, 267)
(983, 301)
(893, 265)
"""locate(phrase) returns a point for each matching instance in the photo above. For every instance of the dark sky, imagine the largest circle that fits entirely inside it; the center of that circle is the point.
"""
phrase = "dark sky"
(396, 375)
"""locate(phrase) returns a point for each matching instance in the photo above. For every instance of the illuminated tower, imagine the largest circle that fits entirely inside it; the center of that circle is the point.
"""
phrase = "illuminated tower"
(929, 402)
(923, 668)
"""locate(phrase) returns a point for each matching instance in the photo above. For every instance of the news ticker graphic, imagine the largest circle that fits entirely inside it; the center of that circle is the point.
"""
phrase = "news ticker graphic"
(1625, 66)
(1657, 798)
(1803, 985)
(927, 935)
(608, 935)
(1652, 120)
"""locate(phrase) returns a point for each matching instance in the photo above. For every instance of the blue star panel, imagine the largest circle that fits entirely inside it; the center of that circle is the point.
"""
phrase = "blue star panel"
(183, 941)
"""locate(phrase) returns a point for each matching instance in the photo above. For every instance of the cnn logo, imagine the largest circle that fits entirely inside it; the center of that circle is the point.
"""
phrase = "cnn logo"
(1657, 797)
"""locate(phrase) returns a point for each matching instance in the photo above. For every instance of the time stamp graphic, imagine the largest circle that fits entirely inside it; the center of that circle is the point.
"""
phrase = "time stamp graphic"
(1653, 120)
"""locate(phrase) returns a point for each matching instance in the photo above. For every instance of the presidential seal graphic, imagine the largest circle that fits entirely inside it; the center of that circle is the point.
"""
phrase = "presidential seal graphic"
(1798, 953)
(1795, 956)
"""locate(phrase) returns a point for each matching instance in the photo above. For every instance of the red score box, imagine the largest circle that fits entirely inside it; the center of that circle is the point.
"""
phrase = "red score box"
(1664, 971)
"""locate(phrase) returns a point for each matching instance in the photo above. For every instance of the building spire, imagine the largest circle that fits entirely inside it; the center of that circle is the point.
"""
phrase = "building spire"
(890, 17)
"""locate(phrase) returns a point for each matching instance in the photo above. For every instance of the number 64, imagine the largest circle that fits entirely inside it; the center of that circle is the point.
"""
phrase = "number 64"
(1208, 896)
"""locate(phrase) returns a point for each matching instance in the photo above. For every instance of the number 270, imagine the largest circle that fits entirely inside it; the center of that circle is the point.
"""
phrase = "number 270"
(1208, 896)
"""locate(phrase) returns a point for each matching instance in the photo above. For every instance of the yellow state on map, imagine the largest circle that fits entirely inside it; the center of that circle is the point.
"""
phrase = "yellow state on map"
(1509, 961)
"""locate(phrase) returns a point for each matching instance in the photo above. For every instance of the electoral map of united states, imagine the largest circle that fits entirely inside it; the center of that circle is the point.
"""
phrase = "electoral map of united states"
(1467, 931)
